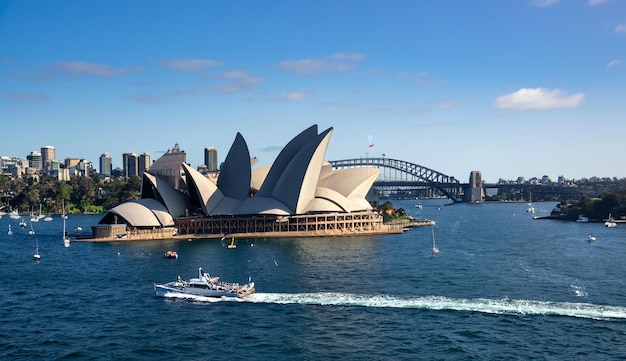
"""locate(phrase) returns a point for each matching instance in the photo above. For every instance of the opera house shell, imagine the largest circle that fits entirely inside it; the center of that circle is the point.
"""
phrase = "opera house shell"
(298, 185)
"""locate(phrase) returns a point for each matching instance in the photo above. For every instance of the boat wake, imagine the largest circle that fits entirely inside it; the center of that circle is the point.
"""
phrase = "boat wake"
(492, 306)
(503, 306)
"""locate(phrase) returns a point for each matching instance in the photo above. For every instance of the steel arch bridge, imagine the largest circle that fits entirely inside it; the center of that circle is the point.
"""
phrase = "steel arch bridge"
(411, 175)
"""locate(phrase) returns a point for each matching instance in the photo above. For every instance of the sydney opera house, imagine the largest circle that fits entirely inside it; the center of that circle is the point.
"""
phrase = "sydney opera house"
(298, 195)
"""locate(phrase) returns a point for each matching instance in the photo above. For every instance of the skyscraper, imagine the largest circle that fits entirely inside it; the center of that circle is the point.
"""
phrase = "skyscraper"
(130, 162)
(34, 160)
(47, 156)
(143, 164)
(210, 159)
(106, 164)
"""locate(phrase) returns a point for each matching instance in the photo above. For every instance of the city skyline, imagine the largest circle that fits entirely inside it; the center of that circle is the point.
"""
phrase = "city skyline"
(519, 88)
(97, 166)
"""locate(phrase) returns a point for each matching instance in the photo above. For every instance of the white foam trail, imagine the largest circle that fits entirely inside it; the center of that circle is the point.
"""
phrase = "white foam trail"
(493, 306)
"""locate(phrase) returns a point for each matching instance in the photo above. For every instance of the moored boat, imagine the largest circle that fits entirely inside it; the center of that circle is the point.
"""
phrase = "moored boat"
(171, 254)
(582, 219)
(204, 285)
(610, 222)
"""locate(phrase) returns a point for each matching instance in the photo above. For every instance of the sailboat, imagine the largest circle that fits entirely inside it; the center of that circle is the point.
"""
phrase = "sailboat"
(14, 214)
(36, 256)
(66, 240)
(530, 209)
(10, 232)
(435, 249)
(31, 232)
(232, 243)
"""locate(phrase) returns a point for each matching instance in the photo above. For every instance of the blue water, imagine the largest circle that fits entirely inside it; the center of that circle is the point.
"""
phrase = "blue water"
(503, 286)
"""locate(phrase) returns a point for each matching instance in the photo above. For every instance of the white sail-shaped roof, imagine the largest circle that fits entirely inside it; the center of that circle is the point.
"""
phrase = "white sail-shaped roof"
(175, 201)
(259, 174)
(235, 172)
(146, 212)
(207, 195)
(296, 185)
(351, 182)
(283, 160)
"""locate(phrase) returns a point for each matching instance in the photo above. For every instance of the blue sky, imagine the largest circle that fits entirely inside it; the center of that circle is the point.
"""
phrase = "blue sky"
(510, 88)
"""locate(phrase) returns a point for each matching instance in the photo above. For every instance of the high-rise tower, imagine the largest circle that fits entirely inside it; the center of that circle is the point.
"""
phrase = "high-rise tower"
(130, 162)
(34, 160)
(47, 156)
(143, 163)
(106, 164)
(210, 159)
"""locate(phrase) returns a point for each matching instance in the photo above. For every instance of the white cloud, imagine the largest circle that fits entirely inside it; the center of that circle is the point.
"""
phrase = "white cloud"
(337, 62)
(446, 105)
(621, 28)
(237, 81)
(543, 3)
(145, 99)
(538, 99)
(102, 70)
(613, 63)
(297, 95)
(73, 70)
(190, 64)
(338, 104)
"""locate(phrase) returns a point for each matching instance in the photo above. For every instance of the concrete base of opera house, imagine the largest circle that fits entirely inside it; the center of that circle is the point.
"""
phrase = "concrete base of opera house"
(364, 223)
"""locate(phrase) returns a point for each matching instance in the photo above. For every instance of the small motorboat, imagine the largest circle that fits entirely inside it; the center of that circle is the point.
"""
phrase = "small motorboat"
(435, 248)
(206, 286)
(171, 254)
(591, 238)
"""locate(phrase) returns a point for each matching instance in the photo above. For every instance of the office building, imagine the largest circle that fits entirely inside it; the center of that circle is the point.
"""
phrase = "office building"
(71, 162)
(47, 156)
(106, 164)
(143, 163)
(130, 164)
(210, 159)
(34, 160)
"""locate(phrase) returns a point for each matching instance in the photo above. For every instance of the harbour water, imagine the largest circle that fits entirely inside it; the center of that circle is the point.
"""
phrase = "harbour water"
(503, 286)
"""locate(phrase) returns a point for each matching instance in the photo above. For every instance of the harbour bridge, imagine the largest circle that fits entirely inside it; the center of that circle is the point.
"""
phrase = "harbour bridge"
(409, 179)
(402, 176)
